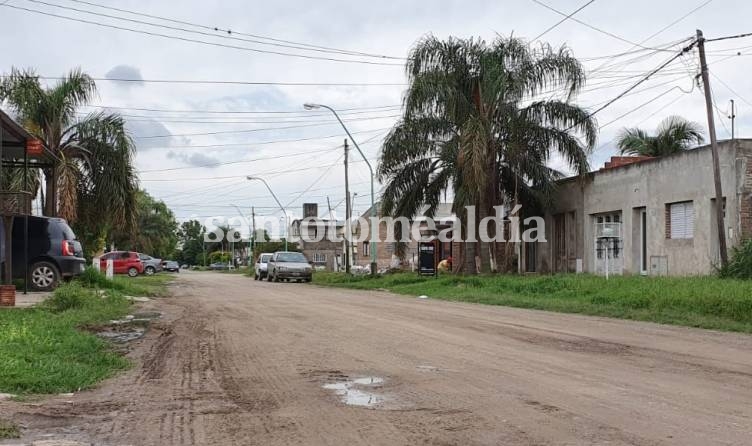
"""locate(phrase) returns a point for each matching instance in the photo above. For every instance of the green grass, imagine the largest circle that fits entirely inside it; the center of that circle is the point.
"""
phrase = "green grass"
(45, 350)
(706, 302)
(8, 430)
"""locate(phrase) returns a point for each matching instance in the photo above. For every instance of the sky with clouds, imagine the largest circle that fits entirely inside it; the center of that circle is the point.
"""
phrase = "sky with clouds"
(197, 141)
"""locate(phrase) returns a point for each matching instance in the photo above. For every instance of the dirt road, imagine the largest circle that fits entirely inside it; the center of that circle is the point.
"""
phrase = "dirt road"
(238, 362)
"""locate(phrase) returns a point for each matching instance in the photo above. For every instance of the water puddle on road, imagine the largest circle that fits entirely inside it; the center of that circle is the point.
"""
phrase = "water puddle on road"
(358, 392)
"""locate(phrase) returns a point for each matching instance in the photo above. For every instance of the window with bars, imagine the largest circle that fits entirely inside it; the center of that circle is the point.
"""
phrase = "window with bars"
(319, 257)
(681, 220)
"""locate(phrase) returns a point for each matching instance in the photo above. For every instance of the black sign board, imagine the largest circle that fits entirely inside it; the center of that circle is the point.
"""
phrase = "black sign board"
(427, 259)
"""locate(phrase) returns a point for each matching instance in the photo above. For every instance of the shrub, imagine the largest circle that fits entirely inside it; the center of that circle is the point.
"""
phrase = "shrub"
(69, 296)
(740, 266)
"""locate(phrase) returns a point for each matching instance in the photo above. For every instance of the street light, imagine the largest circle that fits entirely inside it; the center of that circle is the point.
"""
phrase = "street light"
(251, 178)
(372, 244)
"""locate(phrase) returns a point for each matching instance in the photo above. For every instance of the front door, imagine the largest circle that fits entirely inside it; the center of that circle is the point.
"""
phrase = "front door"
(560, 243)
(643, 242)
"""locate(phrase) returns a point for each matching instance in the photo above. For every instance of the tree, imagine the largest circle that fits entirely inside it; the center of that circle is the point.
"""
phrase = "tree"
(191, 239)
(472, 124)
(673, 135)
(93, 156)
(155, 232)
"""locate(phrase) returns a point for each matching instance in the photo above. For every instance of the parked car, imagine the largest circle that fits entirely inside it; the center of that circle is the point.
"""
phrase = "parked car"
(151, 265)
(260, 269)
(53, 252)
(171, 266)
(123, 262)
(284, 265)
(219, 266)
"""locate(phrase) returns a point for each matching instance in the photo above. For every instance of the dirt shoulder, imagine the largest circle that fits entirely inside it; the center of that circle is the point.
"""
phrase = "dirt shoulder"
(236, 361)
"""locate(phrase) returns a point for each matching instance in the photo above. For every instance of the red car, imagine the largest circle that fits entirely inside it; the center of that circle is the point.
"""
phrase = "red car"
(123, 262)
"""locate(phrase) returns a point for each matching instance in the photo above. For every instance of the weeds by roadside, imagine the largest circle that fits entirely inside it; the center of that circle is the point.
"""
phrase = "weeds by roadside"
(8, 430)
(706, 302)
(43, 348)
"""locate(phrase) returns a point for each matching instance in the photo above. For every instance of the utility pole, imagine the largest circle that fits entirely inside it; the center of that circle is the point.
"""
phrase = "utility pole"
(733, 118)
(347, 214)
(714, 150)
(331, 219)
(253, 236)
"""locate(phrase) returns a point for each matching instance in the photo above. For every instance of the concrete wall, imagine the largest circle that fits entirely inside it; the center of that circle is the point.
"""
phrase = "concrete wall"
(652, 184)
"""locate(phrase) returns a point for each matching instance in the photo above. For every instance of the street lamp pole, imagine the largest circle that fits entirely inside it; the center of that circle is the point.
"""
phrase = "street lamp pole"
(374, 217)
(251, 178)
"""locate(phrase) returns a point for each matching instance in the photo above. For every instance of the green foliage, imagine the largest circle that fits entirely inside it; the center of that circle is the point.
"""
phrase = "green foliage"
(8, 430)
(93, 155)
(155, 232)
(44, 349)
(44, 352)
(472, 124)
(191, 237)
(674, 135)
(740, 265)
(275, 246)
(218, 256)
(68, 297)
(706, 302)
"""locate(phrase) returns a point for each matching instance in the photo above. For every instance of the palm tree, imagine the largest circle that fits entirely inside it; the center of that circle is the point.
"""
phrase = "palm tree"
(471, 124)
(92, 179)
(673, 135)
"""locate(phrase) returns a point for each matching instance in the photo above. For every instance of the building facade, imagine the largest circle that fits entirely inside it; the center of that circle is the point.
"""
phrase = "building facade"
(651, 216)
(322, 252)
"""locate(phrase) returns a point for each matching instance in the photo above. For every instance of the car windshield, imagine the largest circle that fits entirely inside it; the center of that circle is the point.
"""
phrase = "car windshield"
(265, 258)
(292, 257)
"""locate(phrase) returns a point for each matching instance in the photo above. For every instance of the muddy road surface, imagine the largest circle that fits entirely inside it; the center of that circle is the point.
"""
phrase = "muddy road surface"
(240, 362)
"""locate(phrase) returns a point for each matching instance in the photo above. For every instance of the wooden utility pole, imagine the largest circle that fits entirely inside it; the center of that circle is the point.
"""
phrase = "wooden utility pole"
(347, 214)
(714, 149)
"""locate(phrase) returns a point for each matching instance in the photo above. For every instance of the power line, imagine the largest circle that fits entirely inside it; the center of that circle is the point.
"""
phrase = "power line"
(648, 76)
(198, 41)
(301, 169)
(290, 155)
(729, 88)
(562, 20)
(274, 141)
(345, 111)
(226, 132)
(610, 34)
(223, 82)
(233, 32)
(199, 120)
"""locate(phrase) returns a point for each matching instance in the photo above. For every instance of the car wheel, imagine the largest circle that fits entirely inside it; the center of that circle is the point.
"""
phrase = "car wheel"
(132, 271)
(149, 271)
(44, 276)
(275, 278)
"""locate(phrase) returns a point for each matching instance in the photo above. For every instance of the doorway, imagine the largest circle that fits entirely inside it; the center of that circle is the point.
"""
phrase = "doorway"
(643, 242)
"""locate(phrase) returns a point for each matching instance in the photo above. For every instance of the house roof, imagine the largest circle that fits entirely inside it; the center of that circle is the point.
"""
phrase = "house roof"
(14, 138)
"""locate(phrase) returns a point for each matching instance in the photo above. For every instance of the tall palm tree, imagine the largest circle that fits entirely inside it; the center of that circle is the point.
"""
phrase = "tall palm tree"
(92, 178)
(673, 135)
(472, 124)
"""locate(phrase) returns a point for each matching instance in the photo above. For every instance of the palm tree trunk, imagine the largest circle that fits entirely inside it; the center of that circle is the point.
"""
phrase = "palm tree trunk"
(469, 254)
(50, 192)
(484, 246)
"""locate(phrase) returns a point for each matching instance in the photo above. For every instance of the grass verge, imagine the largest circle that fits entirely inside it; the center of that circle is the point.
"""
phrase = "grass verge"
(706, 302)
(43, 349)
(8, 430)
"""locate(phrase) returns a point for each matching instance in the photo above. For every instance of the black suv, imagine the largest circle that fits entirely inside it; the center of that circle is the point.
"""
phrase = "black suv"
(54, 253)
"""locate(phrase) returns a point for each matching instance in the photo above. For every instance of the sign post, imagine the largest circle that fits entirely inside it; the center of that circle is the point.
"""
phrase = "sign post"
(427, 258)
